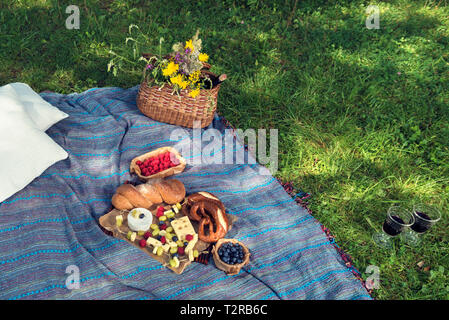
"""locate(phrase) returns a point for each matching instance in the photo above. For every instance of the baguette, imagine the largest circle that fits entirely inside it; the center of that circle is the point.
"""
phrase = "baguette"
(128, 197)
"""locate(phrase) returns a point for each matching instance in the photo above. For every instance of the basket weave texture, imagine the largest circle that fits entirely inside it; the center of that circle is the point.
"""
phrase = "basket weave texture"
(163, 105)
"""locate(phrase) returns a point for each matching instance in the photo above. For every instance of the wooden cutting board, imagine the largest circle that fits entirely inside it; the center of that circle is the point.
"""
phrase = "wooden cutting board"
(108, 222)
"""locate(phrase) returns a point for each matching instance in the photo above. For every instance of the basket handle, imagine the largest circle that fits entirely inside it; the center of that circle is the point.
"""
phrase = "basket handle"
(206, 66)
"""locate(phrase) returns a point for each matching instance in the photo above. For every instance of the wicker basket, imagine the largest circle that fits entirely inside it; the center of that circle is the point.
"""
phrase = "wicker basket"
(163, 105)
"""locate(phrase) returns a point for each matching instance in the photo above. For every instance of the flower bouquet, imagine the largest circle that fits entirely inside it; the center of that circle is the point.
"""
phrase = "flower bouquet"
(178, 88)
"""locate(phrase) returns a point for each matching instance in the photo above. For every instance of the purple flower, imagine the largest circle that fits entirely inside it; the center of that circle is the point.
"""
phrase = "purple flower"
(188, 50)
(178, 58)
(150, 66)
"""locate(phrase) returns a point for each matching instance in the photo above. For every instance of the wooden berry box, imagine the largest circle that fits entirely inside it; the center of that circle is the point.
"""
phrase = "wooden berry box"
(134, 168)
(229, 269)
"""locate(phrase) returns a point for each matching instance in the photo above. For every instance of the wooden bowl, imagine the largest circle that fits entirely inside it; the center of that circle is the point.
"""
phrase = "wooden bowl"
(230, 269)
(134, 168)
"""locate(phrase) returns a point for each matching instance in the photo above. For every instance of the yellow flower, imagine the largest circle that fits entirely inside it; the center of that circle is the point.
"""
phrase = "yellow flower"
(194, 93)
(203, 57)
(179, 80)
(183, 84)
(170, 69)
(194, 77)
(189, 45)
(176, 80)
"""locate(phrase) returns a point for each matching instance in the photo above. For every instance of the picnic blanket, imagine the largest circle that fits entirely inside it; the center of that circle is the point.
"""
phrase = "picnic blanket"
(51, 228)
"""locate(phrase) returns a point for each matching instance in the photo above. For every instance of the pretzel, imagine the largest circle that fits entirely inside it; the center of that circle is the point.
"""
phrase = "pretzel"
(210, 213)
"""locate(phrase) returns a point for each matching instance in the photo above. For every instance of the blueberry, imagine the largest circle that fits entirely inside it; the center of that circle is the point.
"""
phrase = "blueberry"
(175, 238)
(141, 216)
(186, 243)
(174, 255)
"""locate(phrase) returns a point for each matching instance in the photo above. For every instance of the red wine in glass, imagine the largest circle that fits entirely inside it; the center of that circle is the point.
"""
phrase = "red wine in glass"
(422, 222)
(393, 225)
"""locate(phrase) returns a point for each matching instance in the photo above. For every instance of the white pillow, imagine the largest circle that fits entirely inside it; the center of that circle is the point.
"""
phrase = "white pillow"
(25, 150)
(40, 111)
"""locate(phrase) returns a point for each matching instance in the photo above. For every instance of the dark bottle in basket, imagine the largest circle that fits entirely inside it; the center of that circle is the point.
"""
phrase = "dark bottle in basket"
(215, 81)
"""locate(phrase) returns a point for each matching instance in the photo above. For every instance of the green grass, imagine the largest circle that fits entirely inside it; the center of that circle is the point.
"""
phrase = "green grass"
(363, 115)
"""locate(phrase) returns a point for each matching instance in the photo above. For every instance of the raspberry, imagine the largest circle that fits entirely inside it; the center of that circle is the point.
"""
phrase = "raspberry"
(189, 237)
(159, 213)
(142, 243)
(163, 240)
(147, 235)
(181, 250)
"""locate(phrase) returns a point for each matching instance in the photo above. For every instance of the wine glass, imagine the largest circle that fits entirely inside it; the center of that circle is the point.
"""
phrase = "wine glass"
(425, 217)
(398, 218)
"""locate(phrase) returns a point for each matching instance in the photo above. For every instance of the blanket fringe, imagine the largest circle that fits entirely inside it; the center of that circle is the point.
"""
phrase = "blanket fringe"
(300, 198)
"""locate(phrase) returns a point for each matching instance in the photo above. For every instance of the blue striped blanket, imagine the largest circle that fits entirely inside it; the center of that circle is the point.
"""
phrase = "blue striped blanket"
(51, 226)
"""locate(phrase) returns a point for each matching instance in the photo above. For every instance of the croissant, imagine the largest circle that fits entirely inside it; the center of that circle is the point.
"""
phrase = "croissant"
(145, 195)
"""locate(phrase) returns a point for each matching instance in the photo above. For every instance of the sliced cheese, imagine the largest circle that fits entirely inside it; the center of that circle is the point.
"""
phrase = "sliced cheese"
(182, 227)
(192, 243)
(153, 242)
(190, 253)
(176, 262)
